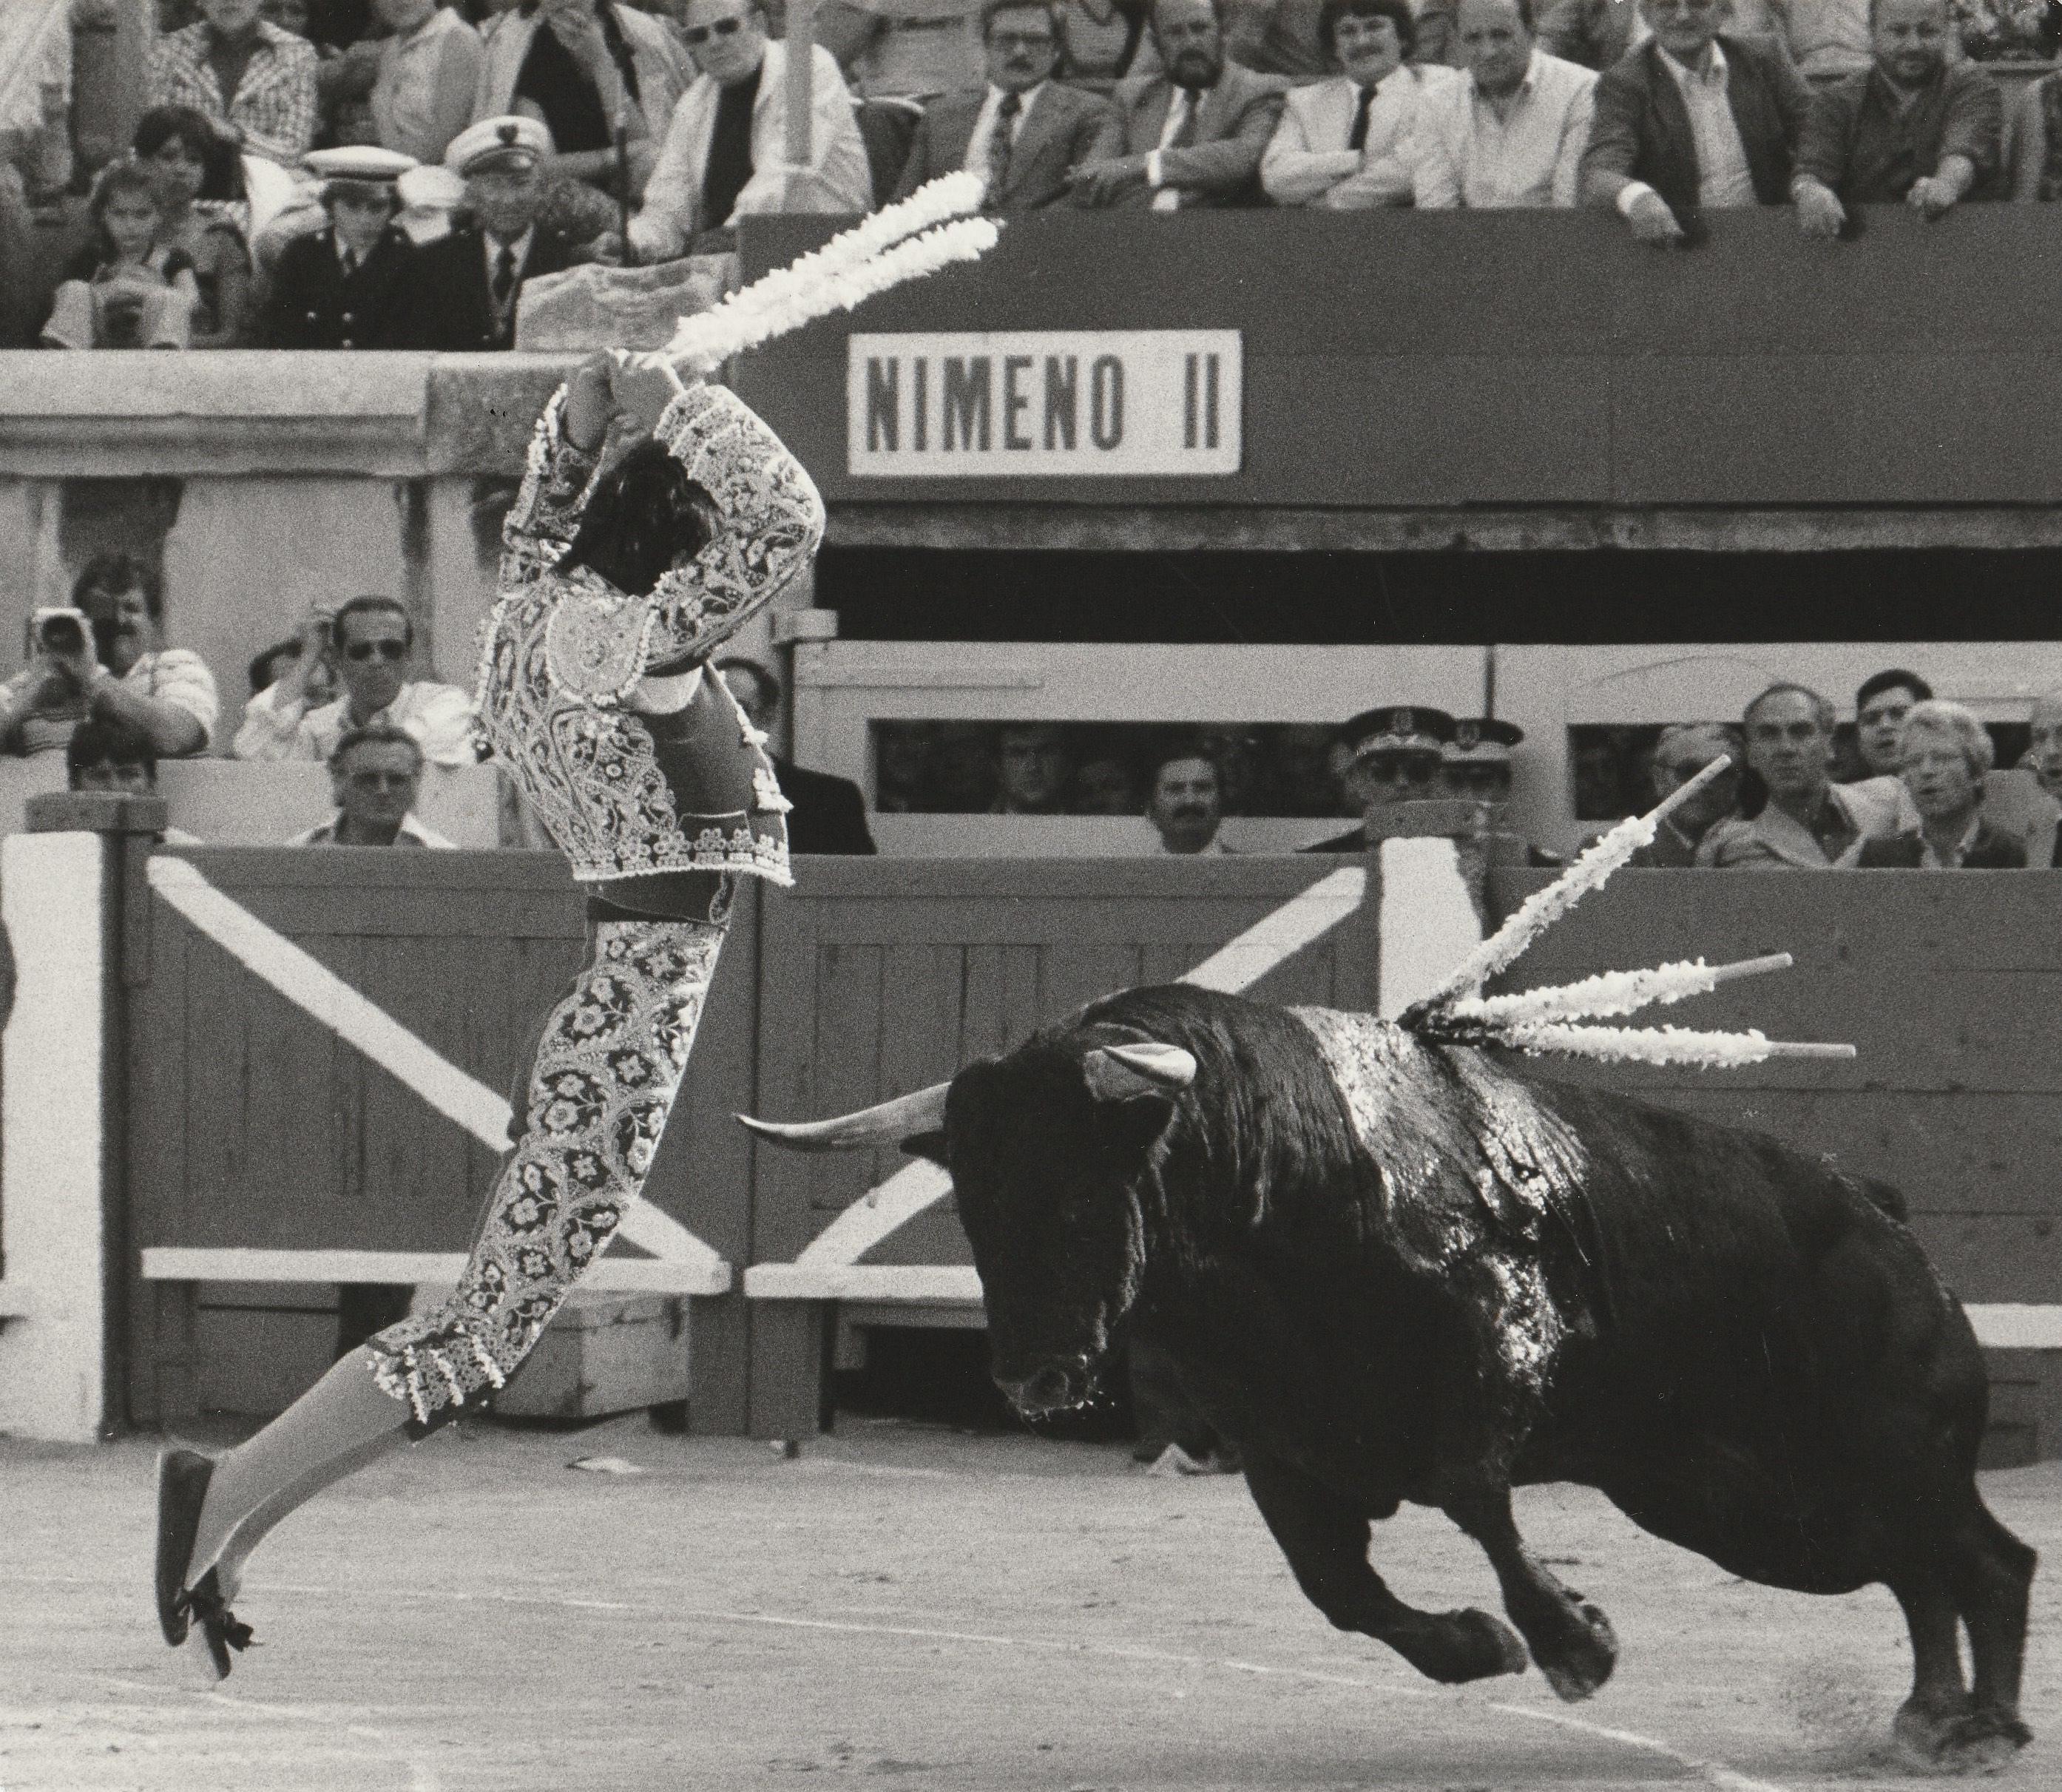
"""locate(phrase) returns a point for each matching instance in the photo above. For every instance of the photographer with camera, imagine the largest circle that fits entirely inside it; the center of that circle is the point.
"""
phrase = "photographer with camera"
(104, 658)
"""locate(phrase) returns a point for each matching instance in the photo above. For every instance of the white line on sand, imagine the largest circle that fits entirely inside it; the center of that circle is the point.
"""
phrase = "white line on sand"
(1713, 1773)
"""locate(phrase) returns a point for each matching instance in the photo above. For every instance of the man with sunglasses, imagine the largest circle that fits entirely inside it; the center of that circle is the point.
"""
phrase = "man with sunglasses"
(374, 776)
(1683, 751)
(372, 646)
(724, 155)
(1398, 753)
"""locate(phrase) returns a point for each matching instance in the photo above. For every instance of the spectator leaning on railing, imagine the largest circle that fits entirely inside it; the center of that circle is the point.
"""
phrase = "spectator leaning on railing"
(1022, 132)
(111, 666)
(1807, 822)
(373, 647)
(374, 773)
(1692, 121)
(1943, 752)
(1193, 136)
(1342, 144)
(1510, 132)
(724, 154)
(251, 79)
(1916, 127)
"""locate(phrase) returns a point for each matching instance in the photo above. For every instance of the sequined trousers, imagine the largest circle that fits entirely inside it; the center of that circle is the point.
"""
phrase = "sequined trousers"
(608, 1066)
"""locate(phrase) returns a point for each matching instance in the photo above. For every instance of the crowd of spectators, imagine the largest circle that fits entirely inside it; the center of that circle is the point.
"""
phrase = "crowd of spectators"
(1914, 781)
(645, 131)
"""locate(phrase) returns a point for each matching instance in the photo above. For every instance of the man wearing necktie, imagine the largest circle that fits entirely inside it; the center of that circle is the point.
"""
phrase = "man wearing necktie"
(1022, 131)
(1343, 145)
(1193, 136)
(339, 287)
(466, 287)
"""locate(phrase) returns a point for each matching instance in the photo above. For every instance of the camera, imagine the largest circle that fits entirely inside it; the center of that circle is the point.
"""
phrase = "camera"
(61, 630)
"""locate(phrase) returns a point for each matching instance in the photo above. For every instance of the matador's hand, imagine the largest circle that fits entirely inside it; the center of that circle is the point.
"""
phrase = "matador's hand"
(590, 403)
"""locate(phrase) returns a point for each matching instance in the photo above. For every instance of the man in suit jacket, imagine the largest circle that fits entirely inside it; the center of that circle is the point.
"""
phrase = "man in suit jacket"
(1692, 121)
(1023, 131)
(1192, 136)
(461, 293)
(828, 815)
(340, 286)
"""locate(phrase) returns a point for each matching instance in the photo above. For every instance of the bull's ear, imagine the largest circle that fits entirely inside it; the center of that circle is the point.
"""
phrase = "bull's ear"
(927, 1145)
(1124, 1073)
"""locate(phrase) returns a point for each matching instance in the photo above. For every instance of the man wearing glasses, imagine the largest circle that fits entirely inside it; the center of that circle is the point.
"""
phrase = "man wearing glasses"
(1693, 120)
(1398, 755)
(374, 775)
(725, 153)
(1022, 132)
(371, 643)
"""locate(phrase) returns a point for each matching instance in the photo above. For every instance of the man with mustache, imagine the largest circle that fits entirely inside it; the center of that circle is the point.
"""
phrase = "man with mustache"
(1023, 132)
(115, 669)
(1193, 136)
(1916, 127)
(1187, 804)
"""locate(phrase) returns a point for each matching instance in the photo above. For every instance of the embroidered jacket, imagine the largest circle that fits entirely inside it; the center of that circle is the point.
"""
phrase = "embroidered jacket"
(627, 780)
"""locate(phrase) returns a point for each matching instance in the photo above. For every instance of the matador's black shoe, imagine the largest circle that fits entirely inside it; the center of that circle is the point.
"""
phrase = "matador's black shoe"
(218, 1623)
(182, 1478)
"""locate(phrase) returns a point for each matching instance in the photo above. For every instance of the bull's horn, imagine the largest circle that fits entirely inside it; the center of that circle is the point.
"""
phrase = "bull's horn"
(1117, 1071)
(904, 1117)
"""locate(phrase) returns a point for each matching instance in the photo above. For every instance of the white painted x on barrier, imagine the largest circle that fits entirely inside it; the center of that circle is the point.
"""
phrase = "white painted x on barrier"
(686, 1264)
(829, 1269)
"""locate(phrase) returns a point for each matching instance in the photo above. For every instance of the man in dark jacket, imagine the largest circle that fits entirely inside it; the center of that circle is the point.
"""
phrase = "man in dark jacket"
(463, 290)
(829, 815)
(1692, 121)
(1023, 131)
(340, 288)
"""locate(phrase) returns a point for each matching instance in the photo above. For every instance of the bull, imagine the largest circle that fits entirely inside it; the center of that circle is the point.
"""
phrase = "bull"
(1393, 1270)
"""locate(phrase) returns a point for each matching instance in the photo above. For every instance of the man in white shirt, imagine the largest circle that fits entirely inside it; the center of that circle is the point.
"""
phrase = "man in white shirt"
(1022, 131)
(374, 644)
(114, 666)
(724, 156)
(1339, 146)
(1510, 132)
(1187, 804)
(374, 775)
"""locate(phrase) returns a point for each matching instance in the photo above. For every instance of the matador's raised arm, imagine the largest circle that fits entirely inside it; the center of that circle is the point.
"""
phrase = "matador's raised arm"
(772, 520)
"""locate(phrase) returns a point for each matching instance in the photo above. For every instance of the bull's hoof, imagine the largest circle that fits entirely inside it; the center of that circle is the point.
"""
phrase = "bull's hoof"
(1958, 1742)
(1982, 1742)
(1584, 1662)
(1462, 1645)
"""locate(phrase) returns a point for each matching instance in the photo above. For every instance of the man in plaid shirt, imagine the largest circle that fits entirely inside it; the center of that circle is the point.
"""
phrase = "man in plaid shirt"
(255, 81)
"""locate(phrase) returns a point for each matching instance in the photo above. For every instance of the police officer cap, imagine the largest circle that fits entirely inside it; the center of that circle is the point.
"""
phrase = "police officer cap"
(509, 142)
(1483, 741)
(1399, 728)
(366, 163)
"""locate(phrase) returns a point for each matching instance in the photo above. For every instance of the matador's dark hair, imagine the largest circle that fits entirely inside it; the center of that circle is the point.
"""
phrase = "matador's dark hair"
(645, 515)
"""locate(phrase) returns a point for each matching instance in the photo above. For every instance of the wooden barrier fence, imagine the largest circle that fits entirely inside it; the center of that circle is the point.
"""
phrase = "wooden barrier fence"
(272, 1126)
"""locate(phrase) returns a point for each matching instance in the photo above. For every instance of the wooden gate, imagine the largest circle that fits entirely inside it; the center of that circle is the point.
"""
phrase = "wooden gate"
(282, 1140)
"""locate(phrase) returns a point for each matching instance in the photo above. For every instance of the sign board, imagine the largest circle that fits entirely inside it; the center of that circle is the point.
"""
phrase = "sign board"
(1008, 403)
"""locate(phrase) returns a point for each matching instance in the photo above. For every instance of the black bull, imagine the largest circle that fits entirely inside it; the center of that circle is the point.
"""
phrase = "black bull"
(1392, 1271)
